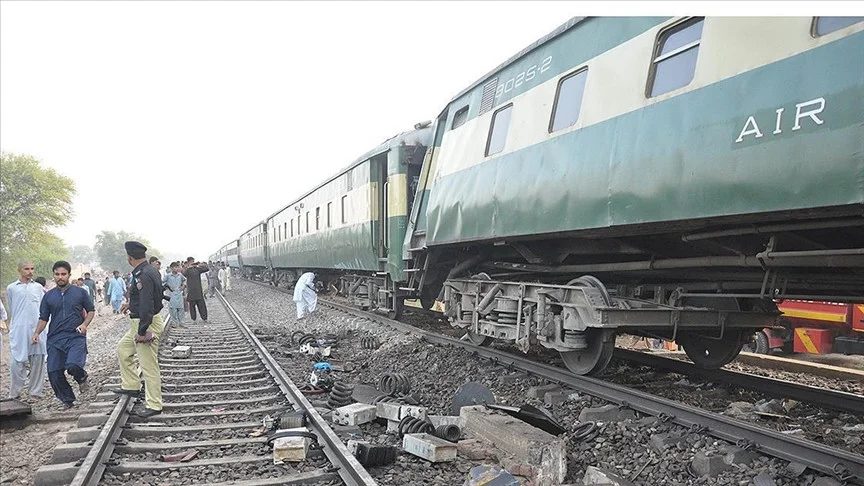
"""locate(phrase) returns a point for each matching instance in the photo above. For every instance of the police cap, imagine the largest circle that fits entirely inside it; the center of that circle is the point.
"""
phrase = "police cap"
(135, 249)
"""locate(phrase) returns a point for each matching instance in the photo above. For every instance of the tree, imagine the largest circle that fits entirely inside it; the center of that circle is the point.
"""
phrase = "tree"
(33, 199)
(81, 254)
(112, 253)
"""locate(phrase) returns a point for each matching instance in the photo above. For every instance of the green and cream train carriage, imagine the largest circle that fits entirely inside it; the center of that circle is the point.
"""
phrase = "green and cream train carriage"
(349, 230)
(664, 177)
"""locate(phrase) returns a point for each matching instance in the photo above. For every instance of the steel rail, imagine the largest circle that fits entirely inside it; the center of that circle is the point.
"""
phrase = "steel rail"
(93, 465)
(348, 468)
(841, 464)
(832, 399)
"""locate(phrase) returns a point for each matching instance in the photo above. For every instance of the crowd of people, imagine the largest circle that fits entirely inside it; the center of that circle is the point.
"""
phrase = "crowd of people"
(70, 305)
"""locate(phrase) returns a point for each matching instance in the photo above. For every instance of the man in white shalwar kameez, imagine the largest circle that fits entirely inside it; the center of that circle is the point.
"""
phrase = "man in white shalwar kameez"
(227, 277)
(304, 295)
(24, 297)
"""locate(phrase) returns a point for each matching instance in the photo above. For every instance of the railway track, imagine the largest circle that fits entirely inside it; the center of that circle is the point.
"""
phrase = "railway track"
(841, 464)
(212, 401)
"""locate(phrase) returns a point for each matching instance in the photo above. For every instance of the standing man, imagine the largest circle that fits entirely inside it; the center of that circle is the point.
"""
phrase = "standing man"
(142, 338)
(176, 283)
(91, 285)
(24, 296)
(221, 276)
(304, 295)
(157, 264)
(227, 278)
(194, 290)
(213, 279)
(116, 291)
(64, 306)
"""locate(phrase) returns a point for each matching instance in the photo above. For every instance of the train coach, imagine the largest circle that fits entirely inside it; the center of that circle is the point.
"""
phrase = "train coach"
(663, 177)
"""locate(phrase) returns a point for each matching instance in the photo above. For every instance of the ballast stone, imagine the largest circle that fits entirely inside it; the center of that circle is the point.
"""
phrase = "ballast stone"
(705, 465)
(602, 477)
(608, 413)
(181, 352)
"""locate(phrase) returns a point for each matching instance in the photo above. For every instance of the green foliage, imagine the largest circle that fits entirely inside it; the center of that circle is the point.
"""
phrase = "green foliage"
(33, 199)
(112, 254)
(81, 254)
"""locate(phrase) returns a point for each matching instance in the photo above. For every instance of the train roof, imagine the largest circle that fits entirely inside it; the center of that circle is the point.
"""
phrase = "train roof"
(573, 22)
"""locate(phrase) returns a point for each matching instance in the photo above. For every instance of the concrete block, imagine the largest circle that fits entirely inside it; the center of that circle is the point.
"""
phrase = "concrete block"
(541, 391)
(354, 414)
(92, 419)
(54, 474)
(506, 379)
(83, 434)
(290, 449)
(826, 481)
(429, 447)
(705, 465)
(737, 455)
(389, 411)
(608, 413)
(64, 453)
(181, 352)
(597, 476)
(529, 445)
(392, 426)
(476, 450)
(661, 441)
(490, 475)
(394, 411)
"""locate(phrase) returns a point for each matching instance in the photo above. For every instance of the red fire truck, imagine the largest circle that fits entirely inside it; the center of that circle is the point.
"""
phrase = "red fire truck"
(815, 328)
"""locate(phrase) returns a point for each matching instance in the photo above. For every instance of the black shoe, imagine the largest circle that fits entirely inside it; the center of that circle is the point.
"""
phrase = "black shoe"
(68, 405)
(148, 412)
(131, 393)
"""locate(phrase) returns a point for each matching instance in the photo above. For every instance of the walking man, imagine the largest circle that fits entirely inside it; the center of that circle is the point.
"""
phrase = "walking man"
(24, 297)
(142, 338)
(304, 295)
(176, 283)
(221, 275)
(116, 291)
(213, 279)
(227, 278)
(91, 286)
(65, 306)
(194, 290)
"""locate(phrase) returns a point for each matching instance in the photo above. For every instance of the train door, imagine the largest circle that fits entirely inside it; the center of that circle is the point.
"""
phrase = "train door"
(379, 166)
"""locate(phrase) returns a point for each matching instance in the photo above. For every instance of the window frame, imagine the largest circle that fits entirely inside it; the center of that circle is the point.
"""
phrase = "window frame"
(318, 218)
(572, 74)
(656, 58)
(329, 212)
(453, 125)
(344, 205)
(814, 23)
(307, 222)
(508, 106)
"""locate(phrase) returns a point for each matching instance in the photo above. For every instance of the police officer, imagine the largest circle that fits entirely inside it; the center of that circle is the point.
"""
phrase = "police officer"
(142, 338)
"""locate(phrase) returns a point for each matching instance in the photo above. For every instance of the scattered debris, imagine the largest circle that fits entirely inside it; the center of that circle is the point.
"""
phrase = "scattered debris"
(490, 475)
(184, 456)
(429, 447)
(181, 352)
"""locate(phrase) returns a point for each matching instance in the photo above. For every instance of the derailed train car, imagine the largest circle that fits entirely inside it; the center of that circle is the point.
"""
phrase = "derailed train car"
(668, 177)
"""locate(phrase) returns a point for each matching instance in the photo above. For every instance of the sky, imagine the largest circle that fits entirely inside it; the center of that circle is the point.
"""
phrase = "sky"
(189, 122)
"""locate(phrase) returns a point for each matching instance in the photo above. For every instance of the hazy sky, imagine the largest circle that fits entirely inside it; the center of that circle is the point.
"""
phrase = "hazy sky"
(188, 123)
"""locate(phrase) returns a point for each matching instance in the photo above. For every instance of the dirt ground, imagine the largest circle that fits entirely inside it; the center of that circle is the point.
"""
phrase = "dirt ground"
(28, 443)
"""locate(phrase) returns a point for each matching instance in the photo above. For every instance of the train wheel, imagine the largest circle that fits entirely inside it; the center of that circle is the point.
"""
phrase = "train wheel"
(479, 339)
(758, 345)
(595, 358)
(709, 353)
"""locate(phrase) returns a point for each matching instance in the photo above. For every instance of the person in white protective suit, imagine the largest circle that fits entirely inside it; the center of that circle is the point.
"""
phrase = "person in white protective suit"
(304, 295)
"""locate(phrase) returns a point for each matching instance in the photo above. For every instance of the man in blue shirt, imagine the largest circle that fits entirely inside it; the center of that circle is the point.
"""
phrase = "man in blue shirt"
(65, 305)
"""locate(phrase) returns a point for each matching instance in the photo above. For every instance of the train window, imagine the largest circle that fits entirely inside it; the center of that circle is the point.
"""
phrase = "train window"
(498, 130)
(674, 63)
(317, 218)
(285, 230)
(280, 234)
(329, 211)
(344, 205)
(568, 101)
(460, 118)
(307, 221)
(826, 25)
